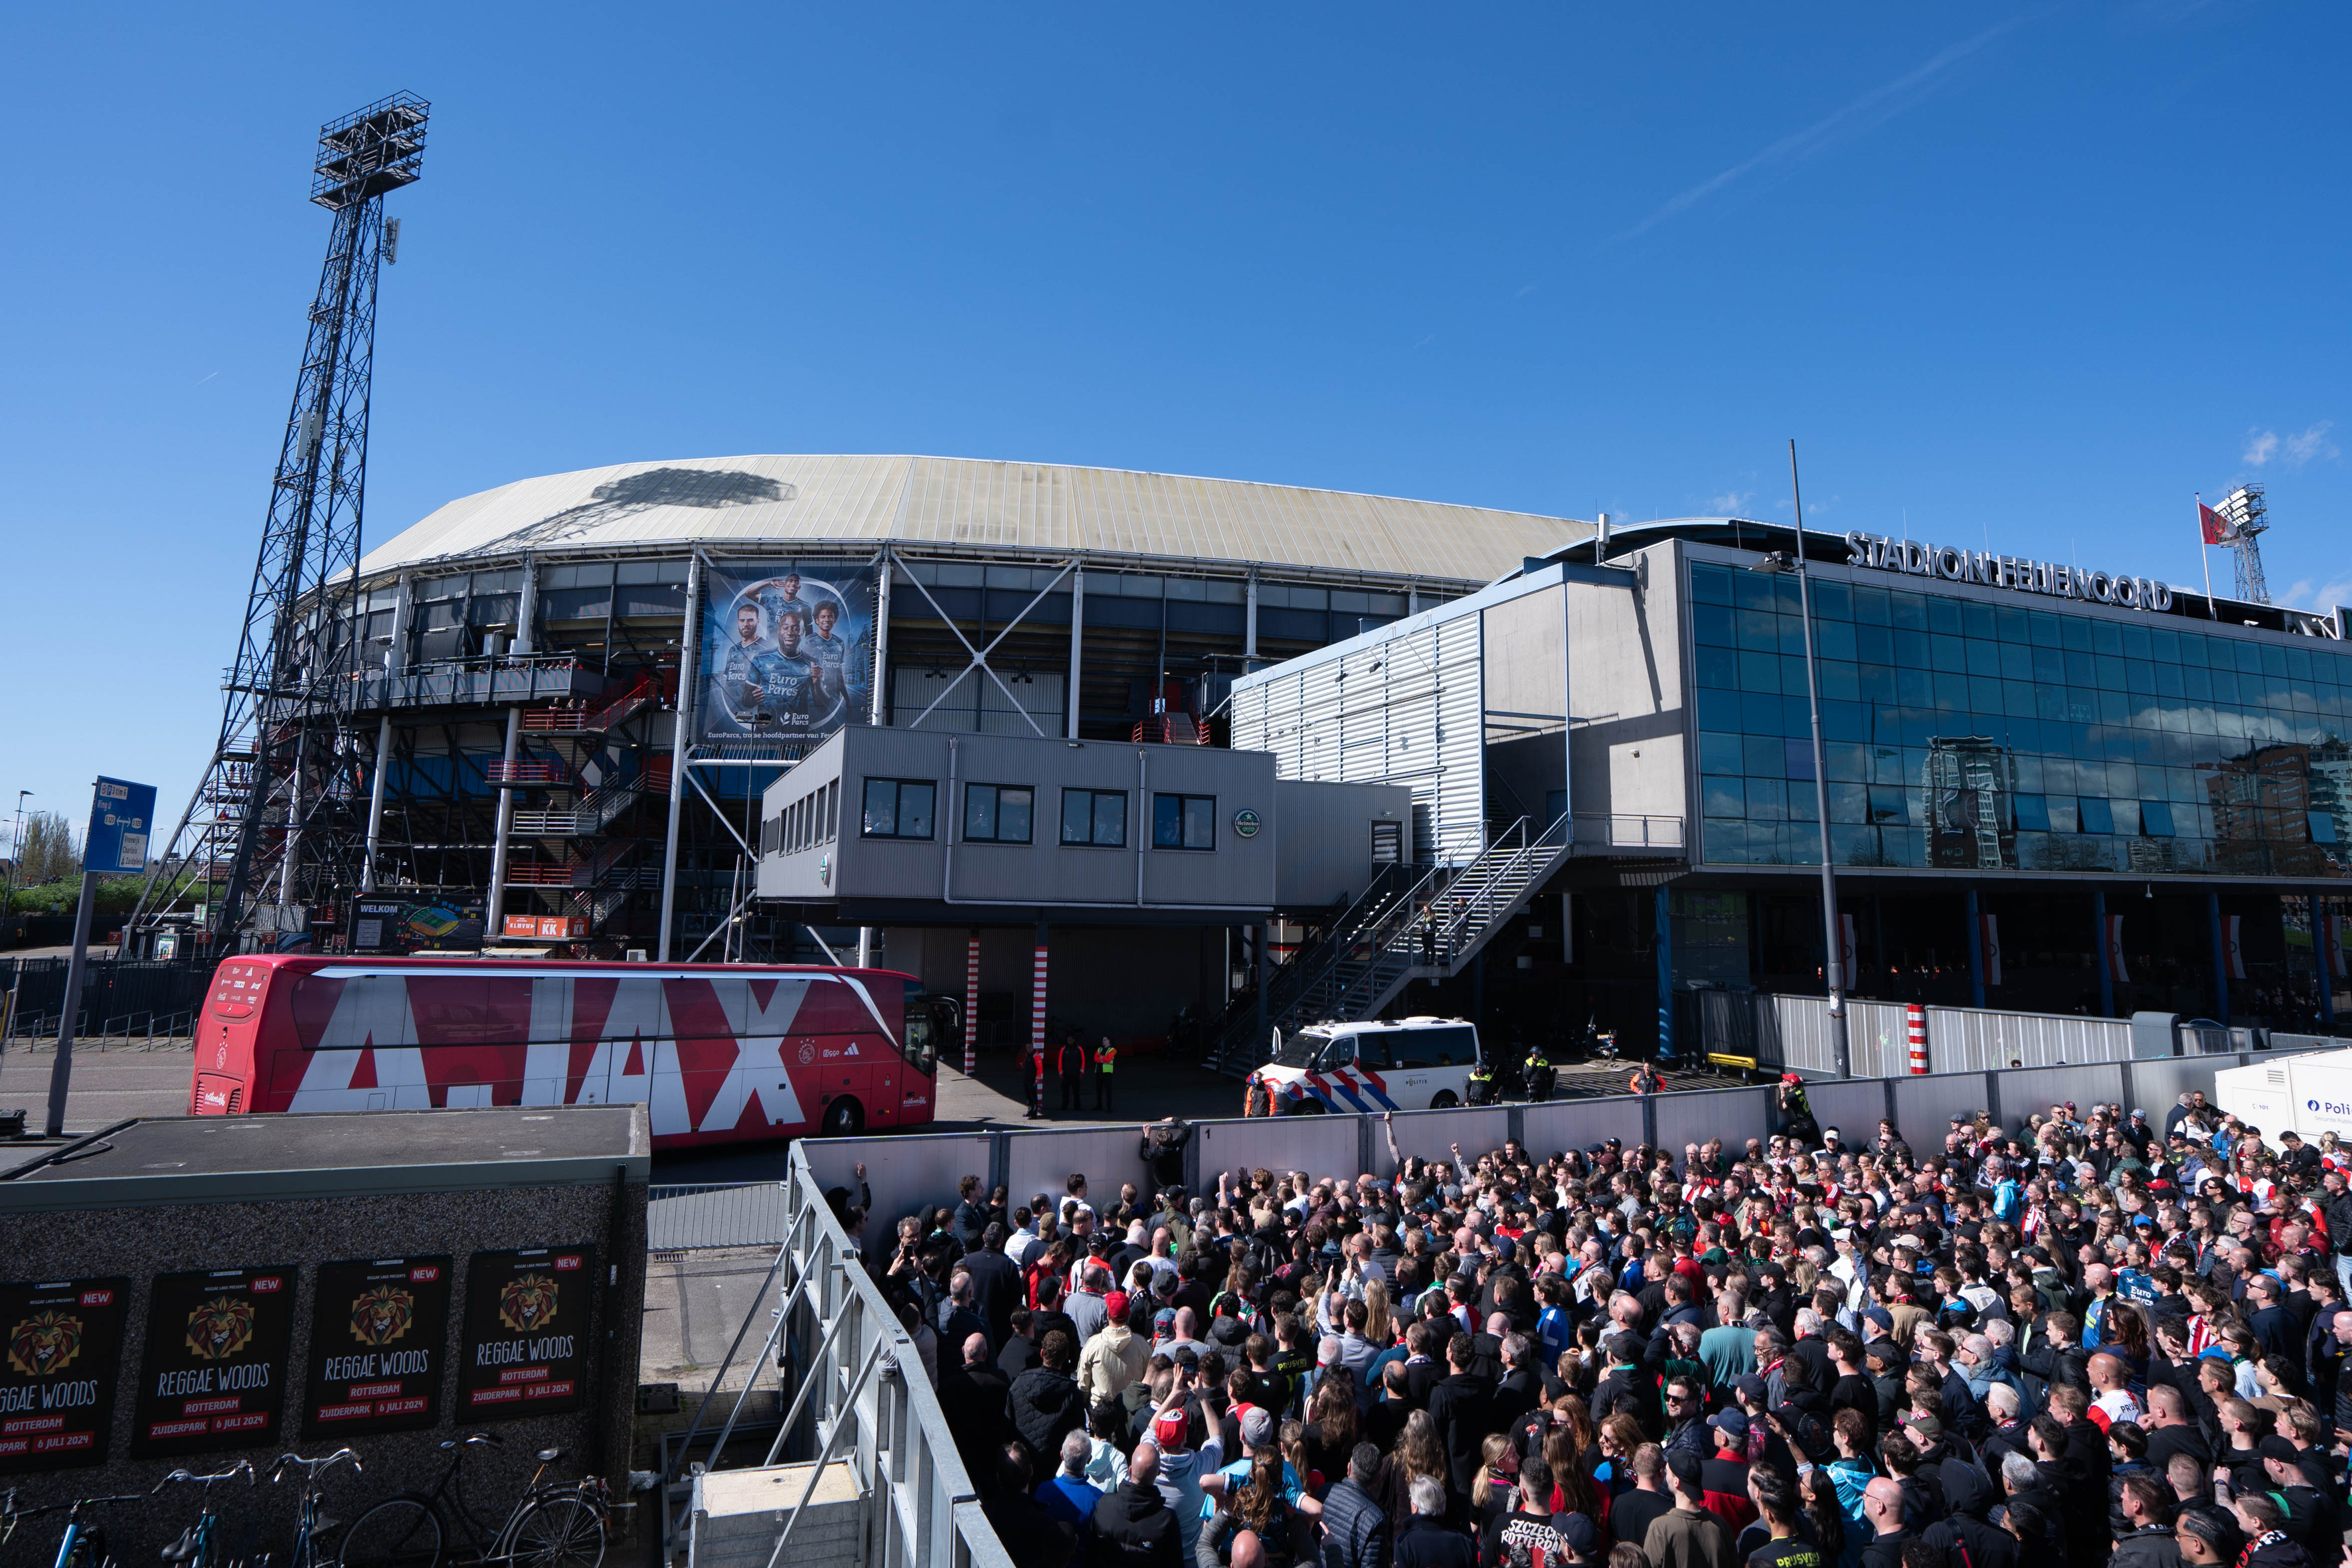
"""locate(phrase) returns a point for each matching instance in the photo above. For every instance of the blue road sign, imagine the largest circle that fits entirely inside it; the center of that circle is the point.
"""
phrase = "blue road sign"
(122, 815)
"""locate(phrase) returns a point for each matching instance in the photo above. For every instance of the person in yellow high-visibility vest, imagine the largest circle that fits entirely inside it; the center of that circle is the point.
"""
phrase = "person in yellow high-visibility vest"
(1105, 1063)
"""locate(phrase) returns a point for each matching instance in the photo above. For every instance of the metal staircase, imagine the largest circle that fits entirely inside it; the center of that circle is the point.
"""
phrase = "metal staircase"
(1405, 929)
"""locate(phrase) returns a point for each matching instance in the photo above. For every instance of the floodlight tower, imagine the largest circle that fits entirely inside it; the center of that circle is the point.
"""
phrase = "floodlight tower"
(2248, 515)
(270, 825)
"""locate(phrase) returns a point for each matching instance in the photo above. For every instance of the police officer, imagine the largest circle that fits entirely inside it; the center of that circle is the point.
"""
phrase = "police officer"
(1257, 1099)
(1105, 1061)
(1482, 1083)
(1073, 1065)
(1536, 1073)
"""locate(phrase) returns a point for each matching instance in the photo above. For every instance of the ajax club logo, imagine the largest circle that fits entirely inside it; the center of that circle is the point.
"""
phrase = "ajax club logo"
(220, 1328)
(383, 1315)
(44, 1343)
(527, 1303)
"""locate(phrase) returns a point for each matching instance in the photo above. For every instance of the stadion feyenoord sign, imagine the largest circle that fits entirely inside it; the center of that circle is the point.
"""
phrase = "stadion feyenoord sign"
(1983, 567)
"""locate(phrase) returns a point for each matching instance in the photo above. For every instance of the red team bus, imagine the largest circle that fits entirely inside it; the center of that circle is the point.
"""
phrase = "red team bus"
(718, 1052)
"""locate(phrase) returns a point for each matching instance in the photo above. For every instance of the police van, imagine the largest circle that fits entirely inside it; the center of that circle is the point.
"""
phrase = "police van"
(1398, 1064)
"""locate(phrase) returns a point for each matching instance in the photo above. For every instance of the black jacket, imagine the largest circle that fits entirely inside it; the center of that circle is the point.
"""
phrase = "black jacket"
(996, 1292)
(1046, 1404)
(1966, 1537)
(1355, 1528)
(1135, 1528)
(1427, 1543)
(2155, 1547)
(1519, 1392)
(1462, 1409)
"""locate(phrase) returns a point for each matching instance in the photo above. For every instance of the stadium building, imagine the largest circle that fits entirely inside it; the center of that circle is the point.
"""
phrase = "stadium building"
(531, 757)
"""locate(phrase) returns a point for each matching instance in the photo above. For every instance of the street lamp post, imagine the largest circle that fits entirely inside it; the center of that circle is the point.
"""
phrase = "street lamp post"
(1832, 935)
(17, 853)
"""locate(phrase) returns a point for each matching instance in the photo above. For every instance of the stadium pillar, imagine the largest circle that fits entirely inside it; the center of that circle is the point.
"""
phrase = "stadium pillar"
(395, 659)
(494, 912)
(1975, 951)
(878, 713)
(690, 677)
(2323, 957)
(1037, 1024)
(2221, 959)
(2099, 953)
(971, 1001)
(1078, 652)
(1249, 619)
(1665, 939)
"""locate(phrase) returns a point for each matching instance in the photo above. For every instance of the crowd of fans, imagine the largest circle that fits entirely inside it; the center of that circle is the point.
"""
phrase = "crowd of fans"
(2092, 1337)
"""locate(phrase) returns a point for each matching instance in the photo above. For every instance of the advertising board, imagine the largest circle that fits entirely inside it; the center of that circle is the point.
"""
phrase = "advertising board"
(379, 1341)
(787, 648)
(57, 1382)
(213, 1375)
(526, 1351)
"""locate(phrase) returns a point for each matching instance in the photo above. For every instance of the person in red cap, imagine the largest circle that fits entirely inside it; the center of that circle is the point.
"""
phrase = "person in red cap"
(1798, 1110)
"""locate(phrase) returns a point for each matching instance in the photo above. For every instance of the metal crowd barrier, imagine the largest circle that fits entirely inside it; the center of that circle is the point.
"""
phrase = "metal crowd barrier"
(854, 1391)
(716, 1214)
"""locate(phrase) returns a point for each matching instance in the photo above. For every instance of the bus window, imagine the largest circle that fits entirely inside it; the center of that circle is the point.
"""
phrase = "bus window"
(922, 1027)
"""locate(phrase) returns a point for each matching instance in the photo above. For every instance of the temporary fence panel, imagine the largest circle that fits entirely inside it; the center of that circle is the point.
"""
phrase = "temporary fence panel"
(1853, 1108)
(2028, 1091)
(1735, 1115)
(905, 1172)
(1923, 1106)
(1564, 1124)
(1044, 1161)
(1968, 1040)
(1432, 1134)
(1320, 1145)
(734, 1214)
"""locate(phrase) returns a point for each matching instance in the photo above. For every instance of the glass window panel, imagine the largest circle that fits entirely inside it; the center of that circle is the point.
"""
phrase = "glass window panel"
(2032, 813)
(1199, 822)
(1718, 667)
(915, 802)
(2020, 699)
(881, 806)
(1710, 584)
(1793, 635)
(1726, 841)
(1077, 816)
(2098, 816)
(1759, 629)
(1914, 650)
(1984, 657)
(1871, 607)
(1915, 687)
(1767, 799)
(2011, 624)
(1834, 640)
(1792, 676)
(1718, 753)
(1849, 803)
(2273, 661)
(1760, 672)
(2075, 634)
(2046, 629)
(1785, 593)
(1873, 645)
(2107, 638)
(1719, 710)
(2164, 645)
(2168, 680)
(1890, 805)
(1832, 601)
(1944, 616)
(980, 812)
(1951, 693)
(2322, 829)
(1878, 684)
(2135, 643)
(1167, 821)
(2016, 662)
(1977, 622)
(1713, 627)
(2156, 819)
(1797, 758)
(2139, 677)
(2065, 816)
(1909, 611)
(1723, 797)
(1841, 681)
(1985, 695)
(1854, 845)
(1110, 818)
(1761, 757)
(1843, 720)
(1751, 590)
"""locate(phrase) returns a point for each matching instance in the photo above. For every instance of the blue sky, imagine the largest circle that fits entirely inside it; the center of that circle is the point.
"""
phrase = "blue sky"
(2024, 278)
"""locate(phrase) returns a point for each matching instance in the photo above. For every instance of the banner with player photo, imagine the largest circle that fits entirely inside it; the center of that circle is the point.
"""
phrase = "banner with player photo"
(787, 648)
(57, 1382)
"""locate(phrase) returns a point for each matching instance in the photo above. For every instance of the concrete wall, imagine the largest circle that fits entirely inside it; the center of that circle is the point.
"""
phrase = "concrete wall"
(143, 1242)
(1625, 664)
(1323, 838)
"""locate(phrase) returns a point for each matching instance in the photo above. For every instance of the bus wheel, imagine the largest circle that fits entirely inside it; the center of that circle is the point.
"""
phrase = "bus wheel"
(842, 1119)
(1445, 1100)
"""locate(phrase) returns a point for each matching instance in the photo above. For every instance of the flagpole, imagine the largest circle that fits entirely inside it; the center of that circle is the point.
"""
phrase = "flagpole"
(2205, 556)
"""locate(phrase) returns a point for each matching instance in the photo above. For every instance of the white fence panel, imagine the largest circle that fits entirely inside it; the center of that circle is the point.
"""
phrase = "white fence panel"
(905, 1172)
(1320, 1145)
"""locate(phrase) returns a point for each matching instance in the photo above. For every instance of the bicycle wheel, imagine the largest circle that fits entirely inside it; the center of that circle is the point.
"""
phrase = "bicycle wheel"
(557, 1532)
(398, 1533)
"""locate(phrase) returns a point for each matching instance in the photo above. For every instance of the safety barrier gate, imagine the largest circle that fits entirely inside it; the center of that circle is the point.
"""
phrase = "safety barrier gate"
(854, 1393)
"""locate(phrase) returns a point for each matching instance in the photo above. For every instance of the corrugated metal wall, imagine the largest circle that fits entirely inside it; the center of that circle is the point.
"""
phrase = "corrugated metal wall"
(1793, 1032)
(1405, 709)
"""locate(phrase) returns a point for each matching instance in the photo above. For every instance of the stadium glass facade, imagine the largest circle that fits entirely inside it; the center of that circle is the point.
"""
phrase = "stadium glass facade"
(1964, 733)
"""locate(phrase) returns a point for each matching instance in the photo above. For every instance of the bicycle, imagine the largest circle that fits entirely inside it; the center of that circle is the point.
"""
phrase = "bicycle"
(553, 1525)
(311, 1520)
(83, 1545)
(199, 1544)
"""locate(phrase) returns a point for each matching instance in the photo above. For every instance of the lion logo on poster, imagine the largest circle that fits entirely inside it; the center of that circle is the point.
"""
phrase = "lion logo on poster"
(44, 1343)
(383, 1315)
(527, 1303)
(220, 1328)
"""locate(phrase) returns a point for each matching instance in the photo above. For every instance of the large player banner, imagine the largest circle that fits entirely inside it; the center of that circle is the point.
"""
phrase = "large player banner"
(787, 648)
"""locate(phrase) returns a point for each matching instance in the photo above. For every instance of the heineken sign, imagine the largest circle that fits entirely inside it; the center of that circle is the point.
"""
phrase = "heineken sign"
(1915, 559)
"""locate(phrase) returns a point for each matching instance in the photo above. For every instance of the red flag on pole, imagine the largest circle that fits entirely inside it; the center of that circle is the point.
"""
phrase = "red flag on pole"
(2217, 527)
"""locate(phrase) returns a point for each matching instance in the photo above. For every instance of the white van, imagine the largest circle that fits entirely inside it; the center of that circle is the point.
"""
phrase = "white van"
(1401, 1064)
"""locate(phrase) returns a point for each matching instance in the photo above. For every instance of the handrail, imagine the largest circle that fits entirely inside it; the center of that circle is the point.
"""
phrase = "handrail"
(863, 1388)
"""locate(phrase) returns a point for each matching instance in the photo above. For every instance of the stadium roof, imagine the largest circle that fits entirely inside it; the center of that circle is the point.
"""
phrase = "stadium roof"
(800, 502)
